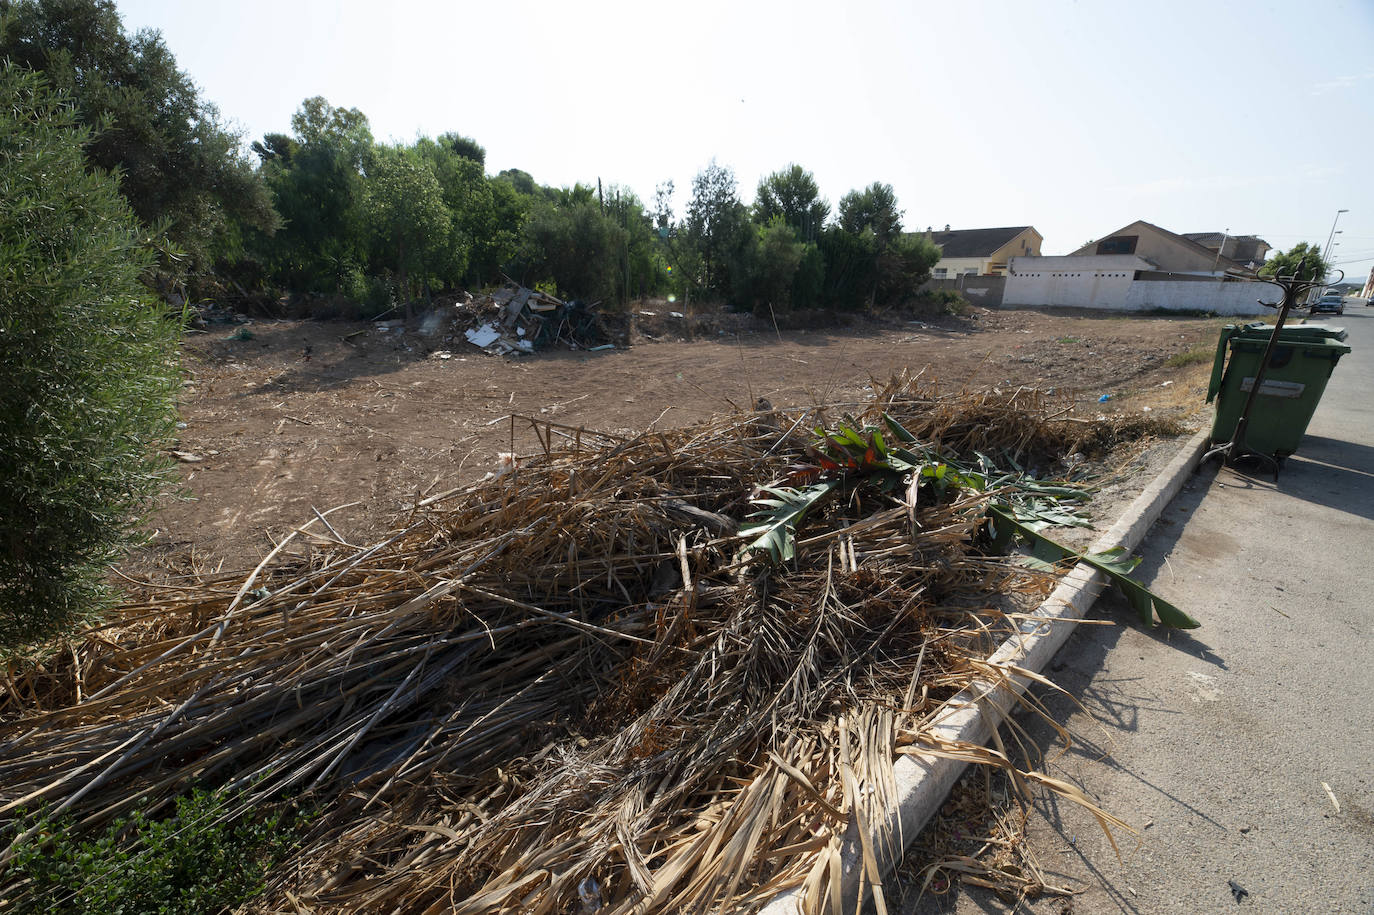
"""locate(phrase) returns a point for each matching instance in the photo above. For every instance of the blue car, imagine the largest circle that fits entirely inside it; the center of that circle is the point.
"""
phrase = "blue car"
(1330, 303)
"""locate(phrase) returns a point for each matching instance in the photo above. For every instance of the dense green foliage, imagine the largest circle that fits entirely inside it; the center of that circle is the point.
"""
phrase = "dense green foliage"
(89, 366)
(194, 861)
(793, 196)
(179, 166)
(405, 210)
(1285, 263)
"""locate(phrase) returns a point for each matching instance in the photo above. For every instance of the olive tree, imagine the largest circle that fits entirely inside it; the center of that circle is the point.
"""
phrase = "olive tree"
(89, 369)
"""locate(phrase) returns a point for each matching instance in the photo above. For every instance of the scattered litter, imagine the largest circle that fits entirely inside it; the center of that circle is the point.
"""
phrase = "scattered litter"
(1331, 794)
(441, 354)
(242, 333)
(1165, 384)
(1237, 890)
(181, 425)
(602, 348)
(676, 314)
(1104, 398)
(187, 457)
(649, 314)
(1144, 409)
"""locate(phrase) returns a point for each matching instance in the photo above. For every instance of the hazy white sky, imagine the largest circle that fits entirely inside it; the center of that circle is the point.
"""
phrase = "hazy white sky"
(1074, 117)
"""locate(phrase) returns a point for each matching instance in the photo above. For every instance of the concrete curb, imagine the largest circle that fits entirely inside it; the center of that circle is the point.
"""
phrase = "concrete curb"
(924, 781)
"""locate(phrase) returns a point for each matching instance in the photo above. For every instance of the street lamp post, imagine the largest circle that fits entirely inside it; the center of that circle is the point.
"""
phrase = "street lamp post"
(1325, 251)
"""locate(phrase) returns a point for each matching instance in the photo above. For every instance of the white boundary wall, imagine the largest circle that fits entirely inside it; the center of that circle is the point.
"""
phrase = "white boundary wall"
(1108, 282)
(1234, 298)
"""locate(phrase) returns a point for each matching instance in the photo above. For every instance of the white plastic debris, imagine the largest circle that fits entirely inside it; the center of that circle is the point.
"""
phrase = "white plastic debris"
(483, 336)
(589, 895)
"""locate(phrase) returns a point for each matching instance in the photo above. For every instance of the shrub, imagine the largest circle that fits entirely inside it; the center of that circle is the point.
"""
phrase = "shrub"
(194, 861)
(89, 363)
(947, 301)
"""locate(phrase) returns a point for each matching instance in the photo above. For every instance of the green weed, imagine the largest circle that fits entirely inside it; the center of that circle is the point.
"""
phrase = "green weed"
(1193, 356)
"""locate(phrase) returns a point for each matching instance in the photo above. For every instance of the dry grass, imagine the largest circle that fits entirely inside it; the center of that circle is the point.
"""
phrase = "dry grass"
(566, 685)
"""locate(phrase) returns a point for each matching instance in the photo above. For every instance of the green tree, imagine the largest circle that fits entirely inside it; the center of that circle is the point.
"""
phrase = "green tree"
(89, 366)
(466, 195)
(793, 195)
(407, 216)
(662, 214)
(716, 228)
(521, 181)
(180, 168)
(576, 247)
(851, 265)
(498, 233)
(1285, 263)
(642, 268)
(466, 147)
(316, 178)
(764, 278)
(903, 266)
(875, 208)
(868, 260)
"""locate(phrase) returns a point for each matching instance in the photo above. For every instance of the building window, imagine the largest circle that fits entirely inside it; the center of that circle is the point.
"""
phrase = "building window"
(1118, 244)
(970, 271)
(941, 273)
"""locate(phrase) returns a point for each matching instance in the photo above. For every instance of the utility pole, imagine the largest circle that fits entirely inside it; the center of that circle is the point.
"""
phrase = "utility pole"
(1224, 236)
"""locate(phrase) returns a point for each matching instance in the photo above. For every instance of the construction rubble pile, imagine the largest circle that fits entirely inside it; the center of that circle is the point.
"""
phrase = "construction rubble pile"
(646, 673)
(518, 320)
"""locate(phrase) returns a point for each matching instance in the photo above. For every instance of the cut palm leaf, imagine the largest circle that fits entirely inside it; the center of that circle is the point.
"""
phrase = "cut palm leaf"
(775, 532)
(1005, 527)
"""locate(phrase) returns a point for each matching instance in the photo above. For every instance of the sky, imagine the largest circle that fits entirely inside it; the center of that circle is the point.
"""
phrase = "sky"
(1074, 117)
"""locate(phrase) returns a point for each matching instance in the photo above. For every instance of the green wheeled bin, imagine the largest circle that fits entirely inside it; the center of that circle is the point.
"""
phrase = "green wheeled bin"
(1304, 357)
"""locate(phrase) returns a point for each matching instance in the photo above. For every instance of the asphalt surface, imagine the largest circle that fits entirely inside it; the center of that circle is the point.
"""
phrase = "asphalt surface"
(1219, 745)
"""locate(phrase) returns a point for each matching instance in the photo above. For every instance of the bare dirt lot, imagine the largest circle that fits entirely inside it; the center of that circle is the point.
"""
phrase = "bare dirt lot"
(285, 417)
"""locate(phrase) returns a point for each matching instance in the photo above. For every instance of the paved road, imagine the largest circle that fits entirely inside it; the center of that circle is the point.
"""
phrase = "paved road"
(1221, 741)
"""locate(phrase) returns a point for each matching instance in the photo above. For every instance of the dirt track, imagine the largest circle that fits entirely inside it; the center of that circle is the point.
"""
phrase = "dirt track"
(377, 417)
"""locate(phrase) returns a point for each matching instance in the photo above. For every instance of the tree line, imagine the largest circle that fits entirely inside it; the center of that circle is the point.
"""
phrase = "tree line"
(327, 209)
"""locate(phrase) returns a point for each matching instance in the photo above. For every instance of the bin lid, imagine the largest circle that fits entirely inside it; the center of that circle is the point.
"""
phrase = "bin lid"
(1293, 333)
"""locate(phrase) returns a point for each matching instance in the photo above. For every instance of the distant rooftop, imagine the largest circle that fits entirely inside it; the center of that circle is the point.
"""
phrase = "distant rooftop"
(1215, 239)
(974, 242)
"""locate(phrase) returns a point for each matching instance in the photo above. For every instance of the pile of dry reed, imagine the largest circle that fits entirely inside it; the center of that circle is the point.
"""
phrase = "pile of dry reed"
(562, 689)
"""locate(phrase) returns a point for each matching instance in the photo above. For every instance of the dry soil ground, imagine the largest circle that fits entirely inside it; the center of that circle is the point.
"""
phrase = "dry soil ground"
(311, 415)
